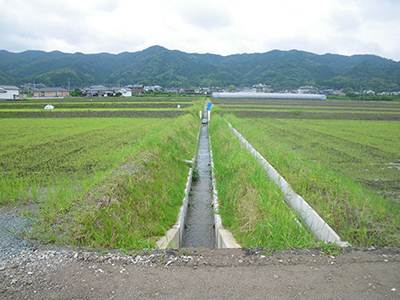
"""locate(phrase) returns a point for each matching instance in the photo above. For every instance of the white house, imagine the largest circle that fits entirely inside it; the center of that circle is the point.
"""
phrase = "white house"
(126, 92)
(9, 92)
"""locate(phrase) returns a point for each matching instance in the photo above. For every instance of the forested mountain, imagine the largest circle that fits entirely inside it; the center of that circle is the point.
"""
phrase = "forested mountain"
(172, 68)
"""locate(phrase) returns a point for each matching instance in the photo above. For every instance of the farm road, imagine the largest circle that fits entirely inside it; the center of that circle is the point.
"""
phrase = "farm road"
(203, 274)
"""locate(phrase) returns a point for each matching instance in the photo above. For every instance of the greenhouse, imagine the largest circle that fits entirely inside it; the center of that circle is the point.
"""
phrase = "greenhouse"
(244, 95)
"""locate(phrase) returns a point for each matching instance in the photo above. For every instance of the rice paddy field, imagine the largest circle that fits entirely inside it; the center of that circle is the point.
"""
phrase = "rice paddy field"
(97, 108)
(311, 109)
(342, 157)
(88, 175)
(111, 172)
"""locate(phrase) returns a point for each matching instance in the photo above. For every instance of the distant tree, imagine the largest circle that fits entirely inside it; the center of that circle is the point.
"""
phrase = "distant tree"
(347, 90)
(76, 93)
(231, 88)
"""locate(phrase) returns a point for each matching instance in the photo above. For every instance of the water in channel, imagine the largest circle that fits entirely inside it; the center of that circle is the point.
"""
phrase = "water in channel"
(199, 230)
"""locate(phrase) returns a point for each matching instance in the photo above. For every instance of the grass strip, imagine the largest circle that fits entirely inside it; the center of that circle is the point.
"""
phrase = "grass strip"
(251, 207)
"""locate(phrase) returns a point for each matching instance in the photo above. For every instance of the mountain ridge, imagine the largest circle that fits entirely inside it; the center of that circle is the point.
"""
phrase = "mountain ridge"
(174, 68)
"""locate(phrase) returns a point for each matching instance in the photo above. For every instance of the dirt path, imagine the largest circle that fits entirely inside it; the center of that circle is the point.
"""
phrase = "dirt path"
(206, 274)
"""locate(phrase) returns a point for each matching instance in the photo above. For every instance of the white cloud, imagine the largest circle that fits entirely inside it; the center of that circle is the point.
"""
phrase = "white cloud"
(218, 26)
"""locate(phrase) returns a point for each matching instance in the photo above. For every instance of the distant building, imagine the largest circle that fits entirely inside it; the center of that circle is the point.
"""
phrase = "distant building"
(9, 92)
(204, 91)
(244, 95)
(327, 92)
(126, 92)
(307, 89)
(147, 88)
(187, 91)
(97, 91)
(137, 89)
(51, 92)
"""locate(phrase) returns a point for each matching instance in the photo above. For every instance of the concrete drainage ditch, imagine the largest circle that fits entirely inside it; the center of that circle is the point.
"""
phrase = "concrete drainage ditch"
(198, 224)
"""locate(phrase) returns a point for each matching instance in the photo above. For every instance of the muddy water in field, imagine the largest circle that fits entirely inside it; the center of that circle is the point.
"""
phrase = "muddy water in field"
(199, 230)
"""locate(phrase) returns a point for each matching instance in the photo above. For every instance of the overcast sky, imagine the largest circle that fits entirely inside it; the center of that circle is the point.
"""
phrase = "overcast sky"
(202, 26)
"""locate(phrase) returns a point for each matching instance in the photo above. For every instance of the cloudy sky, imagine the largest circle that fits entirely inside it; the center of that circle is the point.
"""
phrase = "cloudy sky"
(202, 26)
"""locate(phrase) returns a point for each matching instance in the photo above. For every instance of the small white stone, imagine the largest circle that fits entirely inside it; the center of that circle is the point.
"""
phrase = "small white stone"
(168, 263)
(393, 289)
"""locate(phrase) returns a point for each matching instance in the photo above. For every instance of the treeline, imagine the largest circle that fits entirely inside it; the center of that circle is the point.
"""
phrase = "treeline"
(171, 68)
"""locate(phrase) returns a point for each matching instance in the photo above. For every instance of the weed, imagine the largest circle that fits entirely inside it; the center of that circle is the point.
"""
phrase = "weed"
(297, 112)
(330, 249)
(196, 174)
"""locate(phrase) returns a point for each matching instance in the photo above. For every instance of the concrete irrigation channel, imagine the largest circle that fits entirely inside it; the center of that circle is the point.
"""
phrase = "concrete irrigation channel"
(198, 231)
(198, 224)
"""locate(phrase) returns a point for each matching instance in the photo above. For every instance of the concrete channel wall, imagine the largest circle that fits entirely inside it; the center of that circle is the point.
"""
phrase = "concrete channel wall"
(173, 237)
(305, 212)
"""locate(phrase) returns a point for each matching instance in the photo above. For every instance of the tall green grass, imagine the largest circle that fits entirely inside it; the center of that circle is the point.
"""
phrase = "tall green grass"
(142, 205)
(250, 204)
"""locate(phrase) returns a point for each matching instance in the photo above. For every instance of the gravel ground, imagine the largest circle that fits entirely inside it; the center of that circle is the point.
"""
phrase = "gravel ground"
(56, 272)
(12, 228)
